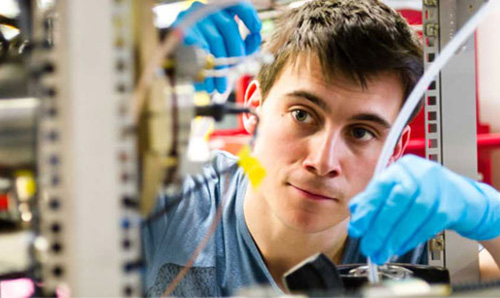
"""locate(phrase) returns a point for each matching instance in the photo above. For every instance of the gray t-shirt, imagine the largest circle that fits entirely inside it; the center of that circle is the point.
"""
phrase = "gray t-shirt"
(231, 260)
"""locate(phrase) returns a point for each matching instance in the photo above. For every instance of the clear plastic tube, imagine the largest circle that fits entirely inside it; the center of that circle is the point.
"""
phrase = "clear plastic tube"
(257, 56)
(404, 115)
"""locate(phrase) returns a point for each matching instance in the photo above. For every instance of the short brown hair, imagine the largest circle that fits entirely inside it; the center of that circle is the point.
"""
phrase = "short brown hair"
(356, 38)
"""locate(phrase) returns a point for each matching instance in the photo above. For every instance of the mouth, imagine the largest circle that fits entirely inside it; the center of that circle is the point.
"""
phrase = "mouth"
(310, 195)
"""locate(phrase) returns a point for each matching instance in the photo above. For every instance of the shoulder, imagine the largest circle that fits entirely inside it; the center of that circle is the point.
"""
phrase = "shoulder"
(186, 214)
(222, 162)
(206, 186)
(171, 239)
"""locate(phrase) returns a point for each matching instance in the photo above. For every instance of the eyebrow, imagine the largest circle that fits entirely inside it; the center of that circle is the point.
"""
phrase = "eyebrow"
(372, 118)
(312, 98)
(318, 101)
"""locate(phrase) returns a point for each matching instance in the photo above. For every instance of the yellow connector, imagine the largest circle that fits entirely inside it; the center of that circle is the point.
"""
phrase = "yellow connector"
(251, 167)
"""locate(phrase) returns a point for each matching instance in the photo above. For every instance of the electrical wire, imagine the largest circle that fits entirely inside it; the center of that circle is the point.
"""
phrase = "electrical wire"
(201, 246)
(179, 197)
(16, 275)
(8, 21)
(170, 176)
(217, 73)
(404, 115)
(221, 61)
(258, 55)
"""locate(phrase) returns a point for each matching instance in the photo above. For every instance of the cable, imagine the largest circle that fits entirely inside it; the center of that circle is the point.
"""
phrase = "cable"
(230, 60)
(259, 56)
(178, 198)
(8, 21)
(218, 111)
(203, 243)
(416, 95)
(170, 176)
(16, 275)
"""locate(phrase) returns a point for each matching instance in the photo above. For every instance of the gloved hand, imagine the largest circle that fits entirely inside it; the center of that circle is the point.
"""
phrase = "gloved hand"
(219, 35)
(413, 200)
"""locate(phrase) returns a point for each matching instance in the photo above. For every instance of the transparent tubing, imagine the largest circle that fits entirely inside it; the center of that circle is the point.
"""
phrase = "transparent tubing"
(404, 115)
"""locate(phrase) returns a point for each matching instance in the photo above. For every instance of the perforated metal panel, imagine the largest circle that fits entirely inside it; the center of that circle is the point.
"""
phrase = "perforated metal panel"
(89, 239)
(51, 246)
(129, 219)
(450, 109)
(432, 96)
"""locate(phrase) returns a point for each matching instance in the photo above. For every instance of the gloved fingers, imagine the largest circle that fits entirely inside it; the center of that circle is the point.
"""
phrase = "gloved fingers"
(435, 224)
(487, 226)
(217, 48)
(420, 168)
(200, 86)
(193, 36)
(474, 207)
(220, 84)
(394, 209)
(247, 13)
(208, 85)
(417, 216)
(180, 17)
(381, 257)
(230, 33)
(431, 227)
(458, 195)
(365, 206)
(252, 43)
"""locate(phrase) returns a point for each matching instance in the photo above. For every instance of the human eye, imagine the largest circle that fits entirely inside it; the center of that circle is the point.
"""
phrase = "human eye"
(361, 134)
(302, 116)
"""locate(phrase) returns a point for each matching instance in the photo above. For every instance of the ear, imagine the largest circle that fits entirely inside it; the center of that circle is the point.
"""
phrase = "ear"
(253, 99)
(401, 145)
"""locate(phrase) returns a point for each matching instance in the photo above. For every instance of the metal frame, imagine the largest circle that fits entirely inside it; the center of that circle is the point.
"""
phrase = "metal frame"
(450, 118)
(86, 152)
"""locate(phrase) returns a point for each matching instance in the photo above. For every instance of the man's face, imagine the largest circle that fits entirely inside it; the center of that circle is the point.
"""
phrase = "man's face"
(319, 142)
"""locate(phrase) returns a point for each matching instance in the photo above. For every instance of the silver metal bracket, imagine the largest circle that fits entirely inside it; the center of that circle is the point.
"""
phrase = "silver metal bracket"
(450, 120)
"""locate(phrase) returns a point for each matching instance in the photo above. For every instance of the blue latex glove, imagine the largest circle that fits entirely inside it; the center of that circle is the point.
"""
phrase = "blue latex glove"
(415, 199)
(219, 35)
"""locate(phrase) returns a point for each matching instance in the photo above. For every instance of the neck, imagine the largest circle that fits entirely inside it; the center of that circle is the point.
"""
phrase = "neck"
(282, 247)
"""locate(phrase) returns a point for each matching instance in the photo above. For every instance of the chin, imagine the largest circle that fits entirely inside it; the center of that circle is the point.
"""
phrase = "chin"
(309, 223)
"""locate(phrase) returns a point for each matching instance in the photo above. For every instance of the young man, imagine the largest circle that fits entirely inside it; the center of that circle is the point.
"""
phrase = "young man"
(342, 71)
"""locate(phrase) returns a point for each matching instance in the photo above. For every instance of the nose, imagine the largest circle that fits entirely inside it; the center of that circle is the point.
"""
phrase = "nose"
(323, 158)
